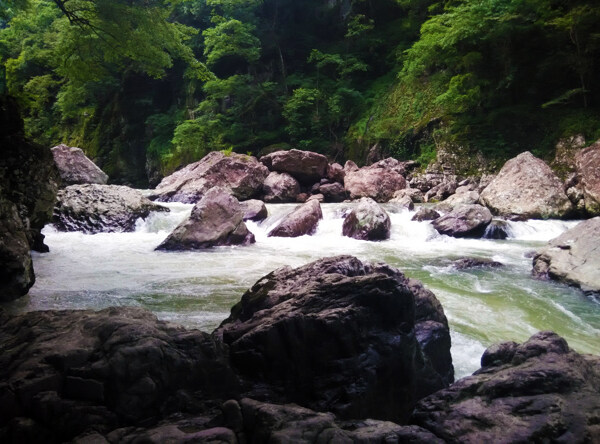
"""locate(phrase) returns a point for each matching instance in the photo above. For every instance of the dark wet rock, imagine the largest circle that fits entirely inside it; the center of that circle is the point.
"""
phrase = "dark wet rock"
(75, 167)
(335, 173)
(217, 220)
(253, 209)
(306, 166)
(425, 213)
(280, 187)
(464, 221)
(93, 208)
(302, 220)
(497, 229)
(588, 171)
(241, 174)
(573, 257)
(378, 181)
(334, 335)
(367, 221)
(472, 262)
(333, 192)
(526, 188)
(441, 191)
(538, 391)
(415, 194)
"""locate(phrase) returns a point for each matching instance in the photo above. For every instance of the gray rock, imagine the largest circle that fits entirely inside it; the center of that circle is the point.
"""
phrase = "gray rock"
(462, 198)
(471, 262)
(253, 209)
(333, 192)
(415, 194)
(441, 191)
(573, 257)
(403, 202)
(335, 173)
(425, 213)
(217, 220)
(242, 175)
(379, 181)
(367, 221)
(75, 167)
(497, 229)
(280, 187)
(539, 391)
(93, 208)
(526, 188)
(464, 221)
(301, 221)
(588, 170)
(306, 166)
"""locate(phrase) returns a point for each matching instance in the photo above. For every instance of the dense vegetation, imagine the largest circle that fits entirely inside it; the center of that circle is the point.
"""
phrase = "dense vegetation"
(146, 86)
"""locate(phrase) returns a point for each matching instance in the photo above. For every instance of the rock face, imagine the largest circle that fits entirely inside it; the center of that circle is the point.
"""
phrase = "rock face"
(93, 208)
(217, 220)
(539, 391)
(28, 185)
(526, 188)
(367, 221)
(306, 166)
(425, 213)
(333, 192)
(334, 335)
(253, 209)
(378, 181)
(303, 220)
(573, 257)
(588, 170)
(280, 187)
(75, 167)
(242, 175)
(464, 221)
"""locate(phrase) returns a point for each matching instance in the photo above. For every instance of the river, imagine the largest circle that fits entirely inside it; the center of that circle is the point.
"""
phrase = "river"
(197, 289)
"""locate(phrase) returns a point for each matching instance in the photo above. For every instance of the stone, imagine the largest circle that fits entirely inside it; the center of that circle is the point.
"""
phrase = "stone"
(254, 210)
(379, 181)
(217, 220)
(333, 192)
(367, 221)
(526, 188)
(441, 191)
(425, 213)
(350, 167)
(93, 208)
(307, 167)
(472, 262)
(280, 187)
(336, 335)
(404, 202)
(587, 161)
(415, 194)
(241, 174)
(75, 167)
(464, 221)
(538, 391)
(573, 257)
(465, 197)
(497, 229)
(303, 220)
(336, 173)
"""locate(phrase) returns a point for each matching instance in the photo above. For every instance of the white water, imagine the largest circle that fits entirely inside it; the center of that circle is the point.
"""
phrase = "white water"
(197, 289)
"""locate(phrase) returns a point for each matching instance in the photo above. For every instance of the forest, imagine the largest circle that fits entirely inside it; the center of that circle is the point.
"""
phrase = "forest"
(145, 87)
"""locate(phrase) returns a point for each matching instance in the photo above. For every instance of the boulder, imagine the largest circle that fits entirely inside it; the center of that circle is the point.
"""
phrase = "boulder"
(415, 194)
(93, 208)
(335, 173)
(441, 191)
(241, 174)
(306, 166)
(254, 210)
(538, 391)
(526, 188)
(472, 262)
(425, 213)
(497, 229)
(280, 187)
(464, 221)
(350, 167)
(573, 257)
(588, 170)
(378, 181)
(403, 202)
(333, 192)
(301, 221)
(367, 221)
(462, 198)
(75, 167)
(334, 335)
(217, 220)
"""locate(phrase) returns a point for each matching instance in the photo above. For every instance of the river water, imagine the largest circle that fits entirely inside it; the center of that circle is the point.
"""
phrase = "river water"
(197, 289)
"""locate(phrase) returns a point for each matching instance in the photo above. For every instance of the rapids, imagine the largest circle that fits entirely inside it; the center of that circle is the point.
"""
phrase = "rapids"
(197, 289)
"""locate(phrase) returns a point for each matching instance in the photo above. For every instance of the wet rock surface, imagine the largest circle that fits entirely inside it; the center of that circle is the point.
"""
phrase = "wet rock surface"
(301, 221)
(93, 208)
(242, 175)
(464, 221)
(588, 171)
(217, 220)
(254, 209)
(367, 221)
(280, 187)
(75, 167)
(307, 167)
(425, 213)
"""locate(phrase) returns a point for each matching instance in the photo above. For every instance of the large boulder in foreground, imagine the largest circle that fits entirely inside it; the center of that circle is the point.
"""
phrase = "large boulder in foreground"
(217, 220)
(464, 221)
(93, 208)
(379, 181)
(334, 335)
(241, 174)
(538, 391)
(307, 167)
(280, 187)
(573, 257)
(367, 221)
(301, 221)
(75, 167)
(587, 161)
(526, 188)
